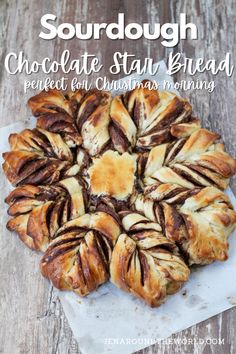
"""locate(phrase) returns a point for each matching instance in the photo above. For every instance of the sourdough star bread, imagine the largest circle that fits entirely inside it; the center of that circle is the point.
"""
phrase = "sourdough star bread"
(127, 188)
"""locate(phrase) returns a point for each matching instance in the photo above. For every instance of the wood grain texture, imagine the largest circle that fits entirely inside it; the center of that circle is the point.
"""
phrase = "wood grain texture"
(31, 318)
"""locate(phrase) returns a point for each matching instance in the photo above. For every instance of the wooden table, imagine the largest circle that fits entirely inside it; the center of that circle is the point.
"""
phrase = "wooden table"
(31, 319)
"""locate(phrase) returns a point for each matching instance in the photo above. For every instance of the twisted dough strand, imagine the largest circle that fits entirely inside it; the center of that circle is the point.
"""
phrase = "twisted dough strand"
(39, 211)
(199, 221)
(79, 257)
(146, 263)
(198, 160)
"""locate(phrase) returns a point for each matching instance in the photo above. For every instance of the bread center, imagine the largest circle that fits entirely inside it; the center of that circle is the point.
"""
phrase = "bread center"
(113, 175)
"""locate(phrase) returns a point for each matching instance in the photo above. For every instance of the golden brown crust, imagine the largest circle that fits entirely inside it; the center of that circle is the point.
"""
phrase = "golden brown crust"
(78, 259)
(41, 157)
(39, 211)
(93, 120)
(189, 162)
(122, 121)
(42, 142)
(198, 220)
(23, 167)
(113, 175)
(49, 102)
(147, 118)
(144, 262)
(56, 113)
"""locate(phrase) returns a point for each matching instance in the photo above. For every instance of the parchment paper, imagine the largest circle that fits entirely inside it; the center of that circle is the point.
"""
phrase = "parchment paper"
(111, 321)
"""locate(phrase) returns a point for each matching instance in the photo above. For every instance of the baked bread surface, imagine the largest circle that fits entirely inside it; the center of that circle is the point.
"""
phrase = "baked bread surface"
(128, 188)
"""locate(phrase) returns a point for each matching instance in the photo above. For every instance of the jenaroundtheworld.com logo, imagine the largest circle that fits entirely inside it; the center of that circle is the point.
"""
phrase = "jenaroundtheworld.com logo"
(167, 341)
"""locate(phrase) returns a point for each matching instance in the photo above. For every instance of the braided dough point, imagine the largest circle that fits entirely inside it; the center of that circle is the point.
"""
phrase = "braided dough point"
(78, 259)
(39, 211)
(145, 263)
(198, 220)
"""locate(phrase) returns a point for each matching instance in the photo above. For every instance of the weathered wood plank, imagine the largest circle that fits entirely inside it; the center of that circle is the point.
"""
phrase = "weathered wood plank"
(32, 320)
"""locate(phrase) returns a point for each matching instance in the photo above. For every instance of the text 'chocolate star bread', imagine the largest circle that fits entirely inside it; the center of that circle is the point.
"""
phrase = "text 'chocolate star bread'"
(128, 188)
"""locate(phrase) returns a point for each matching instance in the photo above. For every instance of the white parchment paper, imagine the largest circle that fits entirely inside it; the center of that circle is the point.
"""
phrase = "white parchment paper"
(111, 321)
